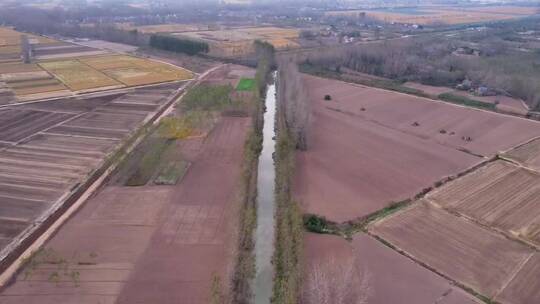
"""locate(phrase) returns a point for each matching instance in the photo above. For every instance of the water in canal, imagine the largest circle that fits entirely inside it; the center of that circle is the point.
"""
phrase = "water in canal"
(264, 235)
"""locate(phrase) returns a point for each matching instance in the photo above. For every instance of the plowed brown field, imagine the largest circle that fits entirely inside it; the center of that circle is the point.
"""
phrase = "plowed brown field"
(149, 244)
(489, 132)
(385, 276)
(501, 195)
(525, 287)
(369, 147)
(472, 255)
(527, 154)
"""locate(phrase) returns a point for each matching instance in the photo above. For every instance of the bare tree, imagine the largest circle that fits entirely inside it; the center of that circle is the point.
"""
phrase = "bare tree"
(332, 281)
(293, 95)
(26, 49)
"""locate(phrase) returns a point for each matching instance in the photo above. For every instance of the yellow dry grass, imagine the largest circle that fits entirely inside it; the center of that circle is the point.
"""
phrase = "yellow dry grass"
(272, 32)
(509, 10)
(39, 89)
(169, 28)
(11, 37)
(133, 71)
(449, 15)
(42, 40)
(84, 73)
(10, 49)
(239, 41)
(18, 68)
(78, 76)
(281, 43)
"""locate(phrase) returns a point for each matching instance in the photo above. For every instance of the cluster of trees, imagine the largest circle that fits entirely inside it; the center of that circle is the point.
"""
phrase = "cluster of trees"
(411, 59)
(173, 44)
(432, 61)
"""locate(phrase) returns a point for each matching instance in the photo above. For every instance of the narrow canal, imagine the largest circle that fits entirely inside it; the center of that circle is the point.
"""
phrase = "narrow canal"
(264, 235)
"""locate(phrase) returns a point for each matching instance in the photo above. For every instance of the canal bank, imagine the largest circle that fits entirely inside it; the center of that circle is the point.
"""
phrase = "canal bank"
(264, 234)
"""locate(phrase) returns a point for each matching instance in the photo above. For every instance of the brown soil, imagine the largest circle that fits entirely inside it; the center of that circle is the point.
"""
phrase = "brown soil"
(390, 276)
(470, 254)
(525, 287)
(505, 103)
(152, 244)
(52, 147)
(527, 155)
(355, 166)
(489, 132)
(369, 147)
(500, 195)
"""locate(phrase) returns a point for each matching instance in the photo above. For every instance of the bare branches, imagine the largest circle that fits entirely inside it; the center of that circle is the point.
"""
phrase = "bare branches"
(295, 101)
(332, 281)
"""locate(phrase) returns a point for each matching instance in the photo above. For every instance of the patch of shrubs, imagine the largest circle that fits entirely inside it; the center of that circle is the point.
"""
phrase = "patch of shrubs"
(317, 224)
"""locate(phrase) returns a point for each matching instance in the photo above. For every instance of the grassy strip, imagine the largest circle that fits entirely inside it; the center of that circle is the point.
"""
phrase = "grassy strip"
(148, 164)
(462, 100)
(318, 224)
(207, 98)
(245, 265)
(246, 84)
(171, 173)
(289, 225)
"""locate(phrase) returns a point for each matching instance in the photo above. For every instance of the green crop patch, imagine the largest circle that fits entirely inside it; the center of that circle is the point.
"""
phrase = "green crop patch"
(148, 163)
(171, 173)
(246, 84)
(462, 100)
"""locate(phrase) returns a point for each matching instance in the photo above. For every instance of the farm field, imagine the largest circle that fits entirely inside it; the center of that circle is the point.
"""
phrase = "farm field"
(10, 44)
(58, 78)
(440, 122)
(166, 240)
(230, 75)
(503, 103)
(166, 28)
(110, 46)
(524, 287)
(112, 71)
(51, 148)
(239, 41)
(9, 36)
(443, 15)
(195, 224)
(245, 84)
(454, 246)
(507, 9)
(133, 71)
(61, 69)
(368, 267)
(133, 235)
(527, 154)
(349, 176)
(499, 195)
(64, 50)
(78, 76)
(155, 243)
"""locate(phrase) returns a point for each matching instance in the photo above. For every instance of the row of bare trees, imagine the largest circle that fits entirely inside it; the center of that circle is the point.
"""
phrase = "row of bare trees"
(433, 61)
(294, 100)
